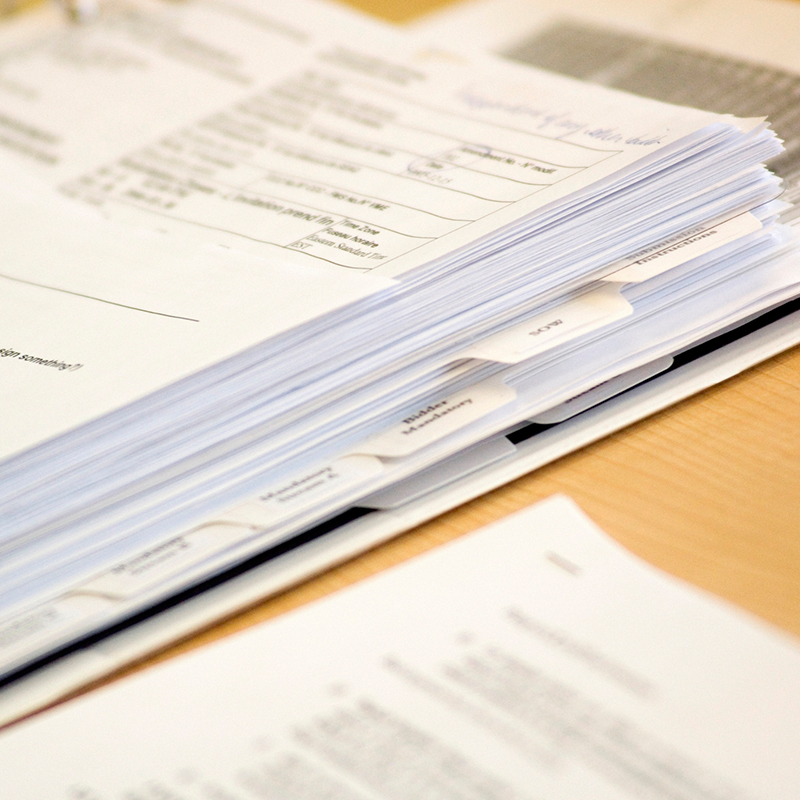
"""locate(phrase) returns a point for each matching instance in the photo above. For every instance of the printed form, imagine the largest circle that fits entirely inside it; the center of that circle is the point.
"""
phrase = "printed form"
(732, 56)
(307, 131)
(533, 659)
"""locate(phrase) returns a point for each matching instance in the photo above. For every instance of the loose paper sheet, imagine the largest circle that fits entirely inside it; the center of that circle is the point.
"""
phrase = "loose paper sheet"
(533, 659)
(732, 56)
(307, 130)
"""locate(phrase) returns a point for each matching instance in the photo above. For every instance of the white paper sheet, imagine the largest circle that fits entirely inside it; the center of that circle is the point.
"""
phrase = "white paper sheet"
(306, 131)
(723, 55)
(533, 659)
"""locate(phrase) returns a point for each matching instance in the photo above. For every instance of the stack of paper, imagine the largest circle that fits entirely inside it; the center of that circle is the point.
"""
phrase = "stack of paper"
(338, 258)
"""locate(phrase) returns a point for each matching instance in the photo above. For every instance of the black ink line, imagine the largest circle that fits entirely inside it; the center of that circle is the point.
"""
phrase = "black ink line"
(438, 109)
(98, 299)
(417, 156)
(463, 142)
(269, 171)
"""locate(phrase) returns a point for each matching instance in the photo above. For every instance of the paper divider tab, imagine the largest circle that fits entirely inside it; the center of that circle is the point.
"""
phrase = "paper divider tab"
(303, 490)
(583, 314)
(680, 249)
(278, 503)
(434, 420)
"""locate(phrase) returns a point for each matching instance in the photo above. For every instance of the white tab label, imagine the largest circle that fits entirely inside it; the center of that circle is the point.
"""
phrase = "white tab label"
(165, 560)
(684, 247)
(590, 311)
(303, 491)
(434, 421)
(44, 622)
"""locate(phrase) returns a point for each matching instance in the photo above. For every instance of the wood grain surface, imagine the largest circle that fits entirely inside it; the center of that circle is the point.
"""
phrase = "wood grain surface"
(708, 490)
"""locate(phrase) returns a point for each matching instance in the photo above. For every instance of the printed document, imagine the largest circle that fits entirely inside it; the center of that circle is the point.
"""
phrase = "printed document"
(533, 659)
(731, 56)
(306, 131)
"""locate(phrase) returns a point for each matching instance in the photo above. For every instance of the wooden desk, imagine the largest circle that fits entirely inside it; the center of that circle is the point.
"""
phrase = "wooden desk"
(708, 490)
